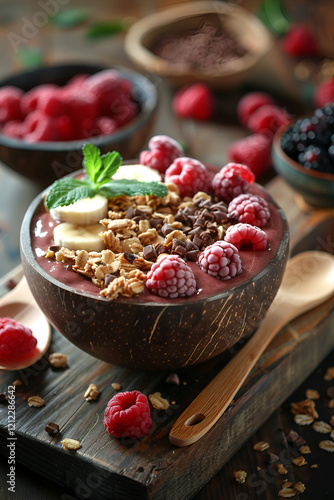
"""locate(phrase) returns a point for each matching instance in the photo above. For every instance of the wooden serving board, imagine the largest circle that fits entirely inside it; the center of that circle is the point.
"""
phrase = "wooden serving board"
(151, 468)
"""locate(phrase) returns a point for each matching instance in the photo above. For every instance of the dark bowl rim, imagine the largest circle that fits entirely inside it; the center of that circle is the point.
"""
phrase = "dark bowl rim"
(289, 162)
(26, 249)
(150, 106)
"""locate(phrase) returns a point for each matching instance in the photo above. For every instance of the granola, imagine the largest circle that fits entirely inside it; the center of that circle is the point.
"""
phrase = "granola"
(307, 407)
(92, 393)
(240, 476)
(36, 401)
(261, 446)
(70, 444)
(158, 402)
(58, 360)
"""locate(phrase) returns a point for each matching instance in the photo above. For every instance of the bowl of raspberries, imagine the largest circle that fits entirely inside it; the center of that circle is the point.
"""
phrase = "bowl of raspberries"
(47, 114)
(167, 264)
(303, 154)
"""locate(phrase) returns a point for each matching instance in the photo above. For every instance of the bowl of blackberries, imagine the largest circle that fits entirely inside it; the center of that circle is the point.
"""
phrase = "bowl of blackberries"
(303, 154)
(47, 114)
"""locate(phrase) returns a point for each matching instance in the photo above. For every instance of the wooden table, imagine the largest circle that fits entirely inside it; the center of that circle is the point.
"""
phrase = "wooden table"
(207, 142)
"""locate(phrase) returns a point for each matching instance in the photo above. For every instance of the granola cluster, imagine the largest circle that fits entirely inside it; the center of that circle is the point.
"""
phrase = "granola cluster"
(138, 230)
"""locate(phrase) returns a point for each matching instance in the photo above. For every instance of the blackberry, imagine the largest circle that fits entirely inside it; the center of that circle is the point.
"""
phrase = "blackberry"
(310, 141)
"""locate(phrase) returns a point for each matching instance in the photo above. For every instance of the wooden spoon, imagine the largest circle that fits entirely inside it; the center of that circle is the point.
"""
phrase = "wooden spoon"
(19, 304)
(308, 281)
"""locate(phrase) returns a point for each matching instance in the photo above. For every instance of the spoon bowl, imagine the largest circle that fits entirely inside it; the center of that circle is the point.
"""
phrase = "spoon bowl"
(308, 281)
(20, 305)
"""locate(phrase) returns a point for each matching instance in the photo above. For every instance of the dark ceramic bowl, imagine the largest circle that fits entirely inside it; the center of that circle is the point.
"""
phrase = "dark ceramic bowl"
(165, 334)
(45, 162)
(317, 188)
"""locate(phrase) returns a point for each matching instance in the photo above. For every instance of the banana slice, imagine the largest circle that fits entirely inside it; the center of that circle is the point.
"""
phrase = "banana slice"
(84, 212)
(138, 172)
(78, 237)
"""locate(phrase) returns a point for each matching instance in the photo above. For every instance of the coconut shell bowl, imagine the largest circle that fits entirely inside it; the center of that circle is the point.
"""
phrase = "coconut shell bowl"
(150, 332)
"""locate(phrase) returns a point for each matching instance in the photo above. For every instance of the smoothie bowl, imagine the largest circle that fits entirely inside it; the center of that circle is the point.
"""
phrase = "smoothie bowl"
(171, 276)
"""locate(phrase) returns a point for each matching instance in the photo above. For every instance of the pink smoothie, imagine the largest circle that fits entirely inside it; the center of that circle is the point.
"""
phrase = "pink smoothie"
(253, 261)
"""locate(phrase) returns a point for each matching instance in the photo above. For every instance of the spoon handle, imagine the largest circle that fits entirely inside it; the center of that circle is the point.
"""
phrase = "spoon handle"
(210, 404)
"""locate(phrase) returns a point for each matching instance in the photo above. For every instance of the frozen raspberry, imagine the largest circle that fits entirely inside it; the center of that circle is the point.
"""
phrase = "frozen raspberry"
(107, 86)
(31, 98)
(253, 151)
(52, 103)
(128, 415)
(65, 129)
(171, 277)
(163, 150)
(250, 209)
(15, 339)
(221, 260)
(77, 81)
(105, 125)
(195, 101)
(324, 93)
(13, 129)
(267, 119)
(39, 128)
(232, 180)
(300, 42)
(10, 99)
(246, 236)
(123, 110)
(251, 102)
(189, 175)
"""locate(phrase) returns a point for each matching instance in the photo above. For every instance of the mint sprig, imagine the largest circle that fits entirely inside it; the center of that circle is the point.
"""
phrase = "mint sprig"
(98, 180)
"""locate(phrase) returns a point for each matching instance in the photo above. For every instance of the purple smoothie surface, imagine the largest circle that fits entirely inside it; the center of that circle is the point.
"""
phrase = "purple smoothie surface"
(253, 262)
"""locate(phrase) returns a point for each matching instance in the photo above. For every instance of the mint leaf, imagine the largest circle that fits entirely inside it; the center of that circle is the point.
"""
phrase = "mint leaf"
(92, 161)
(132, 187)
(68, 18)
(99, 30)
(30, 57)
(110, 164)
(68, 190)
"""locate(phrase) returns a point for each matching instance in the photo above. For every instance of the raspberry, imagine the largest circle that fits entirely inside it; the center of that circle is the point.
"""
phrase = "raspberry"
(123, 110)
(189, 175)
(267, 119)
(324, 93)
(195, 101)
(171, 277)
(221, 260)
(15, 339)
(232, 180)
(13, 129)
(31, 98)
(52, 103)
(10, 99)
(246, 236)
(250, 209)
(163, 151)
(300, 42)
(251, 102)
(41, 128)
(128, 415)
(105, 125)
(253, 151)
(107, 86)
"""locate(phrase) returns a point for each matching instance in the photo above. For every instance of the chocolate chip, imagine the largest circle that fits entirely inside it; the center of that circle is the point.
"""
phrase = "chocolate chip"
(166, 229)
(108, 279)
(200, 222)
(192, 255)
(292, 436)
(271, 458)
(330, 392)
(52, 428)
(173, 378)
(180, 250)
(149, 252)
(130, 257)
(300, 441)
(156, 221)
(160, 248)
(129, 212)
(137, 218)
(181, 216)
(10, 284)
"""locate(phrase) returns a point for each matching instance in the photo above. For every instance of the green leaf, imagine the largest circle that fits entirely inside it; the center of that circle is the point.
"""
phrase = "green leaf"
(99, 30)
(132, 187)
(68, 18)
(92, 161)
(111, 161)
(30, 57)
(271, 14)
(67, 190)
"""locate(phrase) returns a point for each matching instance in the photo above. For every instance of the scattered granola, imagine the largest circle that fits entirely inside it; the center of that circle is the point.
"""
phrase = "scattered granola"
(58, 360)
(306, 407)
(299, 487)
(116, 386)
(305, 449)
(36, 401)
(261, 446)
(52, 428)
(331, 403)
(240, 476)
(299, 461)
(17, 382)
(287, 493)
(322, 427)
(314, 466)
(70, 444)
(312, 394)
(303, 419)
(330, 392)
(92, 393)
(281, 469)
(327, 445)
(329, 375)
(331, 421)
(158, 402)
